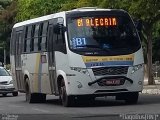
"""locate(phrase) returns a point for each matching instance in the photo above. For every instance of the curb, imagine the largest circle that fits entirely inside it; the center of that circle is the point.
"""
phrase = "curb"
(151, 91)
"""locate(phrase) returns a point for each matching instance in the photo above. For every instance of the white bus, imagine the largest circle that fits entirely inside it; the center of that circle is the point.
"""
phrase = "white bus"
(82, 53)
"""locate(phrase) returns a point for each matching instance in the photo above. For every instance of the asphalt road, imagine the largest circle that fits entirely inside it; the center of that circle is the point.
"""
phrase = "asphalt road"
(102, 108)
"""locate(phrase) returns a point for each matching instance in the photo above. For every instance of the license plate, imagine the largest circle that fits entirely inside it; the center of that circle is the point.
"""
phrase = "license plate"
(113, 82)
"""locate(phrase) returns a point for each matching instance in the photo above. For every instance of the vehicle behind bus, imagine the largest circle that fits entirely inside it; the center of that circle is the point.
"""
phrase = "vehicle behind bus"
(82, 53)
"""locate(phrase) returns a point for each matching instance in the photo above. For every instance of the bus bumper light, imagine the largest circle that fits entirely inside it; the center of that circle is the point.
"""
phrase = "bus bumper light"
(81, 70)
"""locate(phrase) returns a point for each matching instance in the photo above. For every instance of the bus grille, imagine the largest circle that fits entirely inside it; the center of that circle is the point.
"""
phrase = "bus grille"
(110, 70)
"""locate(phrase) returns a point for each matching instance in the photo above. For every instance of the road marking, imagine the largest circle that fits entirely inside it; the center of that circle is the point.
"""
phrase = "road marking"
(40, 110)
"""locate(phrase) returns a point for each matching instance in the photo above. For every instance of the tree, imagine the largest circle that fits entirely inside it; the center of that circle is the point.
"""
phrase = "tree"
(149, 12)
(146, 10)
(28, 9)
(7, 15)
(156, 43)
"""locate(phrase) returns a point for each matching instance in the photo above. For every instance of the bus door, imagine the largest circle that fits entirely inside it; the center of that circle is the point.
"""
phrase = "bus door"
(18, 65)
(51, 58)
(55, 43)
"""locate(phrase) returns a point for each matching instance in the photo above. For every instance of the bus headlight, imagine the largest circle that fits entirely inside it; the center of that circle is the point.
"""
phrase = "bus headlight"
(136, 67)
(81, 70)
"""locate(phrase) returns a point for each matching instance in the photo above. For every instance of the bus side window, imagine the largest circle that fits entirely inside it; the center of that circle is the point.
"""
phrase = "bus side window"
(12, 45)
(28, 39)
(44, 36)
(32, 38)
(59, 39)
(36, 32)
(40, 36)
(25, 40)
(60, 35)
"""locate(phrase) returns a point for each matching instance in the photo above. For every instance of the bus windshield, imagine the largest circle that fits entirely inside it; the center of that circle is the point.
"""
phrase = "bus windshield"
(102, 34)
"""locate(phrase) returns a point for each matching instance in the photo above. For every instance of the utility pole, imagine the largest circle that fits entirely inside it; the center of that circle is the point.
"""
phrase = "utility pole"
(4, 56)
(2, 46)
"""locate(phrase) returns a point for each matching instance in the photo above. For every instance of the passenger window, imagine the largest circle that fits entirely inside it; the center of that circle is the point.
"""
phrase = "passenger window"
(44, 36)
(40, 36)
(32, 38)
(36, 33)
(25, 40)
(12, 45)
(59, 39)
(28, 39)
(36, 37)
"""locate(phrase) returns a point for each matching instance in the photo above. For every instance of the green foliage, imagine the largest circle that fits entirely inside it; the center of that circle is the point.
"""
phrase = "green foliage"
(147, 10)
(86, 3)
(28, 9)
(7, 15)
(156, 42)
(5, 3)
(68, 5)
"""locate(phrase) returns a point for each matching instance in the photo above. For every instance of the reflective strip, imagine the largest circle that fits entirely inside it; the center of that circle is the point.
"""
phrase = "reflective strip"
(52, 68)
(87, 59)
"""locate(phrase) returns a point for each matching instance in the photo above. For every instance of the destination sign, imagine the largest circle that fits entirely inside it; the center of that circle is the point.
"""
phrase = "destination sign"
(106, 21)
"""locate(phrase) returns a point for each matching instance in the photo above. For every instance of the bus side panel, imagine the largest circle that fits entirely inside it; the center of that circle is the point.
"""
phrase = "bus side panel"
(38, 72)
(62, 66)
(12, 61)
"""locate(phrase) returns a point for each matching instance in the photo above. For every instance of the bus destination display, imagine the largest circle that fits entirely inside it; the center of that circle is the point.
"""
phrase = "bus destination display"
(106, 21)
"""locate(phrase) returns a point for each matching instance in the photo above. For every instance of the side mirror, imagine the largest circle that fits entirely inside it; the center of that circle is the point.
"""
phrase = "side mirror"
(58, 28)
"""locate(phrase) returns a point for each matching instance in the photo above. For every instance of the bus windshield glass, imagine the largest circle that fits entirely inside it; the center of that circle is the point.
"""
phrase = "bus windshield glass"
(102, 34)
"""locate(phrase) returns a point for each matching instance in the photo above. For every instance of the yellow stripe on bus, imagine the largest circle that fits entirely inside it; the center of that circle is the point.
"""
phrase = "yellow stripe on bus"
(35, 81)
(87, 59)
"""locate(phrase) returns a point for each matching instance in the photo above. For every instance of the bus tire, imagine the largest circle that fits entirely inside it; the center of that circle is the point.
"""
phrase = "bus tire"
(34, 97)
(15, 93)
(66, 100)
(4, 94)
(41, 98)
(132, 98)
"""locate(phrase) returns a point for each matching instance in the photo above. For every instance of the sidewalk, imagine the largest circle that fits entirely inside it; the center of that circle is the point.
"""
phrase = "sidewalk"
(151, 89)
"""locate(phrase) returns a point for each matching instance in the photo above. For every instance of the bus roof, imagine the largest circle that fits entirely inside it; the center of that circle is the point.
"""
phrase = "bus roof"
(46, 17)
(93, 9)
(34, 20)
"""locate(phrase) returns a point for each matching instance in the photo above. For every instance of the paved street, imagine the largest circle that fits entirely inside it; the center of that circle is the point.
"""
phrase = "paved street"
(101, 107)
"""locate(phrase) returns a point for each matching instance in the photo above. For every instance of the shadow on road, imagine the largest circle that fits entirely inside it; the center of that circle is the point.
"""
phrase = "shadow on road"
(144, 99)
(86, 103)
(147, 99)
(102, 102)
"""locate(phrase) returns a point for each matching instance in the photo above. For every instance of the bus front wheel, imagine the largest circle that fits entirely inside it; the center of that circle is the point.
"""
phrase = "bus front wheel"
(66, 100)
(15, 93)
